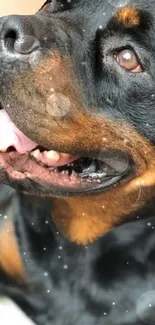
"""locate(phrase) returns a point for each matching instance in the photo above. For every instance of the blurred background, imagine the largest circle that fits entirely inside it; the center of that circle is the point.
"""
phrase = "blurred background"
(19, 6)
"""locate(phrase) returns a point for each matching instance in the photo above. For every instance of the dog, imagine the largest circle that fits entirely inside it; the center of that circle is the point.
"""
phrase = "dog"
(77, 136)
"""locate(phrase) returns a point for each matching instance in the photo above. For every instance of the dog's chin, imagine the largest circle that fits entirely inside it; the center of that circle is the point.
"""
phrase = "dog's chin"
(81, 176)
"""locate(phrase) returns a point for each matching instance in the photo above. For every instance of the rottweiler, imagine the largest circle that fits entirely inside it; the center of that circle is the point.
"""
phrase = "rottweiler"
(77, 149)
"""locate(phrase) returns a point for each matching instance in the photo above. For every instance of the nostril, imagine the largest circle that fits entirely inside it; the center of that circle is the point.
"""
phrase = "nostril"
(11, 34)
(18, 35)
(10, 38)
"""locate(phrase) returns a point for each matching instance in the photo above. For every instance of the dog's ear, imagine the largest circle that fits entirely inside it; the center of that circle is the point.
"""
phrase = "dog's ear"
(51, 6)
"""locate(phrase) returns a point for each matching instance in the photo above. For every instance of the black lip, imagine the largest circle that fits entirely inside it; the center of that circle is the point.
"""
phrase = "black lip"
(120, 164)
(35, 187)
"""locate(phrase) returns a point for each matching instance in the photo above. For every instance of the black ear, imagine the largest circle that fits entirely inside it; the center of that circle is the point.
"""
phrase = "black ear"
(47, 1)
(46, 4)
(56, 5)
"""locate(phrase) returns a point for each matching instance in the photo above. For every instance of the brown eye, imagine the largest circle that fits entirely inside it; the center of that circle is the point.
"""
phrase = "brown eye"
(129, 61)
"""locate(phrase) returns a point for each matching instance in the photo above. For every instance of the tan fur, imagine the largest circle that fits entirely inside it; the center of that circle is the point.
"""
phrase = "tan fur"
(128, 17)
(10, 259)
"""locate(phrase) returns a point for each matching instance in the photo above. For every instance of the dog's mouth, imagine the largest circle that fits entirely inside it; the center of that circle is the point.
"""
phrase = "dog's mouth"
(21, 158)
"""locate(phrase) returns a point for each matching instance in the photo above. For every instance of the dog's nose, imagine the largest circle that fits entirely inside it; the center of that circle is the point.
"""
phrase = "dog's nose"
(17, 35)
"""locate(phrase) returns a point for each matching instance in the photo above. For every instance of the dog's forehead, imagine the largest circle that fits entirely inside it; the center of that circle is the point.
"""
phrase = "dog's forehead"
(92, 14)
(109, 6)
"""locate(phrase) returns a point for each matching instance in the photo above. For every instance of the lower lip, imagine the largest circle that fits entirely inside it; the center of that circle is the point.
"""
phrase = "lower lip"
(22, 167)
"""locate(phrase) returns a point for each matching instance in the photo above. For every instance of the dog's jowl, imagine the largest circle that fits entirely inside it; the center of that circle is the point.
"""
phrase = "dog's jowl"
(77, 145)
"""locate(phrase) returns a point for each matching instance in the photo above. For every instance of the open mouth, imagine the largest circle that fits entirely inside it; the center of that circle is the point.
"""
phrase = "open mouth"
(22, 158)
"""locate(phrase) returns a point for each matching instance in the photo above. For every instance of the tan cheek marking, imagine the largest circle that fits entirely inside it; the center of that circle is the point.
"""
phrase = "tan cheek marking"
(84, 220)
(128, 17)
(10, 260)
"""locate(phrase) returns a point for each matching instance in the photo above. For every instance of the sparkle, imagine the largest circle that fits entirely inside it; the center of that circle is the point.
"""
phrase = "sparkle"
(46, 274)
(65, 267)
(59, 256)
(44, 249)
(47, 222)
(113, 303)
(5, 217)
(48, 291)
(60, 247)
(149, 224)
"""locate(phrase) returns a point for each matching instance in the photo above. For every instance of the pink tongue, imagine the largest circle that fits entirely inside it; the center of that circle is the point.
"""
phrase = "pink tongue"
(11, 136)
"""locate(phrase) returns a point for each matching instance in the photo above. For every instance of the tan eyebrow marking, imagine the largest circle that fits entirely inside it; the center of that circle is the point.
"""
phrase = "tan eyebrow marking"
(128, 17)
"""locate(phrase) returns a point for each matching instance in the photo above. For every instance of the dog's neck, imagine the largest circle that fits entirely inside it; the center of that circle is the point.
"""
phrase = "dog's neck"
(84, 219)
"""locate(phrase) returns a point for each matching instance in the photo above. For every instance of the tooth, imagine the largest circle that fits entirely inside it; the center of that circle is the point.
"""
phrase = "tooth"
(74, 173)
(3, 150)
(35, 154)
(1, 166)
(51, 169)
(53, 155)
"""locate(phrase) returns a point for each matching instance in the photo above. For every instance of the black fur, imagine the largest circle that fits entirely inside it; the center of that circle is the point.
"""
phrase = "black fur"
(111, 281)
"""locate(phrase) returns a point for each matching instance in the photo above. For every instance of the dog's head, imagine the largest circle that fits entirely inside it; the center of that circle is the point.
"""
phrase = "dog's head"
(77, 93)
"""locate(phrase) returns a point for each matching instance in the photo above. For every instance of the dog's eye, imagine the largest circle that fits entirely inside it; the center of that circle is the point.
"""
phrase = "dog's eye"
(129, 61)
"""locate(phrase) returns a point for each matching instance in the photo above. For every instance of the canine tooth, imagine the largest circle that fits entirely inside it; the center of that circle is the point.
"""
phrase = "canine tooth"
(53, 155)
(35, 153)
